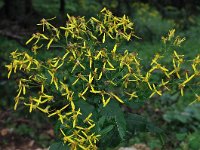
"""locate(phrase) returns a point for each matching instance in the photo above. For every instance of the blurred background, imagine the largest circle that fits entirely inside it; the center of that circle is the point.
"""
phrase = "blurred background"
(179, 121)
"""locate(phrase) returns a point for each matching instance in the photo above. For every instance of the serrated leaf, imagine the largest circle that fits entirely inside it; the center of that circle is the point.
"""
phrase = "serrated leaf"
(101, 121)
(121, 125)
(106, 130)
(136, 122)
(57, 128)
(114, 111)
(111, 109)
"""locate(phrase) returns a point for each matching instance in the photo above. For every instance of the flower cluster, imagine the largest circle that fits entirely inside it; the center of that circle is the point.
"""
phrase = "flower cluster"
(73, 63)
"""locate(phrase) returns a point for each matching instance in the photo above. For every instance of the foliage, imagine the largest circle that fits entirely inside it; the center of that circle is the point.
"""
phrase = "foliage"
(150, 24)
(88, 7)
(81, 75)
(80, 7)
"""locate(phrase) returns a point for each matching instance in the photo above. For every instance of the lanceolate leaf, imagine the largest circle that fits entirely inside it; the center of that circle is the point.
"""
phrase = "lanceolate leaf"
(136, 123)
(121, 125)
(106, 130)
(113, 110)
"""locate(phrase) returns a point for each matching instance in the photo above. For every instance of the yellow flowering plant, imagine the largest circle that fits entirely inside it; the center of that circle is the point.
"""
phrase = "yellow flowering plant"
(80, 75)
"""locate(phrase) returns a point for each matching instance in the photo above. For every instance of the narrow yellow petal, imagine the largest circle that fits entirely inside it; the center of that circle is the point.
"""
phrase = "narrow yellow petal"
(107, 101)
(30, 40)
(104, 38)
(85, 91)
(117, 98)
(75, 81)
(114, 49)
(49, 44)
(100, 75)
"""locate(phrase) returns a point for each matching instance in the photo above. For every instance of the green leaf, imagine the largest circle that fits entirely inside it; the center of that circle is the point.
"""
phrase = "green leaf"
(121, 125)
(57, 128)
(181, 136)
(101, 121)
(153, 128)
(113, 110)
(106, 130)
(194, 111)
(194, 141)
(183, 117)
(58, 146)
(136, 123)
(136, 104)
(156, 130)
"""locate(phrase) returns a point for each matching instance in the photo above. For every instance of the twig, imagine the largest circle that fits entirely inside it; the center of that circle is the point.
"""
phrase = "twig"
(10, 35)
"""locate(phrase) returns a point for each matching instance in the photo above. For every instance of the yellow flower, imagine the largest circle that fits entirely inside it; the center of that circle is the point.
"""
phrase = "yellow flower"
(116, 97)
(178, 57)
(45, 110)
(111, 66)
(163, 84)
(171, 34)
(44, 98)
(182, 85)
(132, 95)
(67, 138)
(44, 22)
(50, 42)
(88, 120)
(10, 67)
(98, 55)
(91, 126)
(16, 102)
(58, 111)
(114, 49)
(75, 81)
(81, 95)
(37, 36)
(86, 89)
(75, 117)
(65, 55)
(146, 79)
(77, 64)
(178, 41)
(53, 78)
(100, 75)
(155, 59)
(89, 55)
(188, 79)
(164, 39)
(104, 38)
(66, 88)
(93, 90)
(96, 20)
(155, 91)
